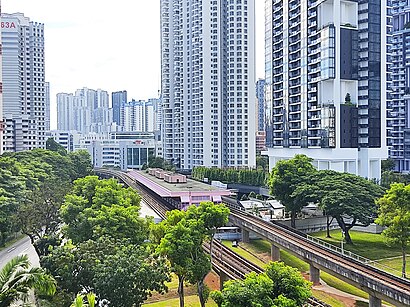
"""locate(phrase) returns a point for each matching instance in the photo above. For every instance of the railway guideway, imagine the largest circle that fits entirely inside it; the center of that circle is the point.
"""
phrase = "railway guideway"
(227, 264)
(378, 284)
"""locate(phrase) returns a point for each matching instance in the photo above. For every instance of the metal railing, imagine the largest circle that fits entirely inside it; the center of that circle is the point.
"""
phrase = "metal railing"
(354, 256)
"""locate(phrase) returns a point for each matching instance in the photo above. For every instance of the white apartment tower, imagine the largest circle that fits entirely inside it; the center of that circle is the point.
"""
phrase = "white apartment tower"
(326, 82)
(398, 124)
(47, 107)
(208, 82)
(1, 97)
(23, 82)
(86, 111)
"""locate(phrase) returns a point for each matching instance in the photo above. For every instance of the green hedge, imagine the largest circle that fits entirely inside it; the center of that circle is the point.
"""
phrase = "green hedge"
(231, 175)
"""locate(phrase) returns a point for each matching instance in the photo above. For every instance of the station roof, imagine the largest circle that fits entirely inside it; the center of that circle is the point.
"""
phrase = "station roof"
(185, 191)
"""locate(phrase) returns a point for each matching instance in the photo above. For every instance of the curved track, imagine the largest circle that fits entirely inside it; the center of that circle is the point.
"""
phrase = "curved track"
(381, 276)
(223, 258)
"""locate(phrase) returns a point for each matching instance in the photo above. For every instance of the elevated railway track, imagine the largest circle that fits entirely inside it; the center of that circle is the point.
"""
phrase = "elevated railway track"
(379, 284)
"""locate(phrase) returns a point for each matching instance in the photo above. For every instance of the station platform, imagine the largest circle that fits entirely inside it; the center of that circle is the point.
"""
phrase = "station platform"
(181, 195)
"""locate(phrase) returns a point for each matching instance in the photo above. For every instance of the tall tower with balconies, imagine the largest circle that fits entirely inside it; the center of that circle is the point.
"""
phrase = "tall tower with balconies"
(23, 82)
(208, 82)
(1, 95)
(398, 122)
(326, 82)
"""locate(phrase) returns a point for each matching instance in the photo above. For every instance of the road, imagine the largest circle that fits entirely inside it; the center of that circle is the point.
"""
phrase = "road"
(21, 247)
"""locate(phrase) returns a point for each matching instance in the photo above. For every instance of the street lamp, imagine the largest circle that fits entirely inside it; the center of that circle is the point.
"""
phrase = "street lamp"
(343, 237)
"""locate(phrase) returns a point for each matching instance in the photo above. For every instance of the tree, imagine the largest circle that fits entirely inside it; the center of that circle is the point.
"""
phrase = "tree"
(52, 145)
(387, 165)
(212, 215)
(129, 276)
(180, 243)
(348, 99)
(116, 270)
(17, 279)
(180, 239)
(288, 281)
(255, 290)
(262, 162)
(103, 207)
(389, 177)
(285, 178)
(82, 165)
(394, 213)
(349, 198)
(39, 216)
(280, 286)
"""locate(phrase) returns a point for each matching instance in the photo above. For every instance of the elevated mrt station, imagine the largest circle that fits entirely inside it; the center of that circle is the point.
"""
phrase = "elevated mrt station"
(178, 190)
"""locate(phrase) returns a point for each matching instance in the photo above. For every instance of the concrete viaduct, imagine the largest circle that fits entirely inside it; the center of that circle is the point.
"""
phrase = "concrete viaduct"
(378, 284)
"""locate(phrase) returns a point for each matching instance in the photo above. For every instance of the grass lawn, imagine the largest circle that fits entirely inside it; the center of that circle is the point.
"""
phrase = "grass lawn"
(245, 254)
(367, 245)
(371, 246)
(395, 264)
(190, 301)
(326, 298)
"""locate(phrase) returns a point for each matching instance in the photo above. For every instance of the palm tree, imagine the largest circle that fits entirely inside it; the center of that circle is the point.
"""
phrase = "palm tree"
(17, 278)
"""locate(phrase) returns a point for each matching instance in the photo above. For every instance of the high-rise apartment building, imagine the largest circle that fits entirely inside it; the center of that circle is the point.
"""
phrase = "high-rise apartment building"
(1, 97)
(326, 82)
(47, 105)
(86, 111)
(23, 82)
(141, 115)
(398, 124)
(208, 82)
(119, 99)
(260, 104)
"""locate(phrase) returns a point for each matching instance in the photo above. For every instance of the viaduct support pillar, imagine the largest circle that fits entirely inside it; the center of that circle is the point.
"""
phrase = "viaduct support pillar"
(275, 253)
(245, 236)
(314, 275)
(222, 278)
(374, 301)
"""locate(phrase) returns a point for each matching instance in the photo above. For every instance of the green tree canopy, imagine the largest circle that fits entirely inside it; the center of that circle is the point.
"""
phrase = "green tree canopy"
(349, 198)
(394, 213)
(124, 273)
(103, 207)
(52, 145)
(38, 216)
(279, 286)
(180, 239)
(285, 178)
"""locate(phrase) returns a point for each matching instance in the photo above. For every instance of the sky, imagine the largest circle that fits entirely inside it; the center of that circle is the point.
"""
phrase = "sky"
(106, 44)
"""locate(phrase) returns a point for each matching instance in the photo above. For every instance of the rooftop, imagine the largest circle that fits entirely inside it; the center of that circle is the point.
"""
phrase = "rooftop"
(190, 185)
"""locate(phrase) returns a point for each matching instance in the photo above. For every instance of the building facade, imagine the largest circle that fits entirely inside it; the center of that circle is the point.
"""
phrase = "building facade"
(2, 125)
(326, 83)
(398, 124)
(141, 115)
(47, 106)
(208, 82)
(118, 99)
(260, 104)
(23, 86)
(85, 111)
